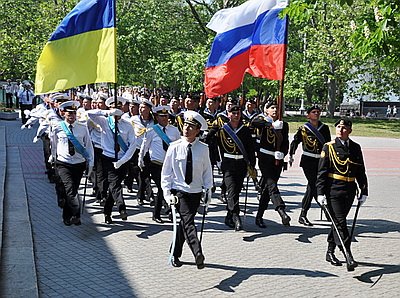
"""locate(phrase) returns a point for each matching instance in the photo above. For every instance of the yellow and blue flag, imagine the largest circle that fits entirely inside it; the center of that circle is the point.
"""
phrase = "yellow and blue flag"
(82, 49)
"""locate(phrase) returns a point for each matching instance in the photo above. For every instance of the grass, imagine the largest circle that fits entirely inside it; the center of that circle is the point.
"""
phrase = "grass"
(384, 128)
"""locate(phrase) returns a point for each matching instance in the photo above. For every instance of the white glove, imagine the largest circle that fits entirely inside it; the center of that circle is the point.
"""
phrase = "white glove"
(278, 124)
(321, 199)
(171, 200)
(50, 159)
(29, 126)
(279, 155)
(117, 164)
(35, 139)
(141, 165)
(89, 170)
(23, 126)
(207, 198)
(116, 112)
(362, 199)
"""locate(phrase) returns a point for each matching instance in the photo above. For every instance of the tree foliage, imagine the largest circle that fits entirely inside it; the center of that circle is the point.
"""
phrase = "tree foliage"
(166, 43)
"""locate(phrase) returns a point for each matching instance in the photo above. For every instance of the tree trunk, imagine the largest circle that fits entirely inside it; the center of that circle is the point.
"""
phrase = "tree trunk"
(331, 83)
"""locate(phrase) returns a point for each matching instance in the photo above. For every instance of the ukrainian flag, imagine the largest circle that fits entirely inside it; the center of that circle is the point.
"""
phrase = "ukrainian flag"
(82, 50)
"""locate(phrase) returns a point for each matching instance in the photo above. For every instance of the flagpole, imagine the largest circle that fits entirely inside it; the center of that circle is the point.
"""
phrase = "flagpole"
(115, 83)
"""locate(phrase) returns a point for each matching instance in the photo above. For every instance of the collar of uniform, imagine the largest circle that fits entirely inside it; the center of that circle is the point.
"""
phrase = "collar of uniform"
(184, 141)
(343, 142)
(68, 124)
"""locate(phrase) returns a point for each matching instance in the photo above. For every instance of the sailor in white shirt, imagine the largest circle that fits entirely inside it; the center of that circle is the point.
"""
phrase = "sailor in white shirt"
(115, 154)
(156, 143)
(73, 152)
(142, 123)
(26, 97)
(186, 172)
(133, 168)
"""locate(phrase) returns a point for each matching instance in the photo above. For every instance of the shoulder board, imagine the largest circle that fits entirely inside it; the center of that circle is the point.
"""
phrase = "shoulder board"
(331, 142)
(81, 123)
(203, 144)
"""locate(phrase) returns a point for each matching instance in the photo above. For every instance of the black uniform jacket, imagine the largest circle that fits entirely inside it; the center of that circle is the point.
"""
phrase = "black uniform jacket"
(228, 147)
(269, 140)
(339, 168)
(310, 142)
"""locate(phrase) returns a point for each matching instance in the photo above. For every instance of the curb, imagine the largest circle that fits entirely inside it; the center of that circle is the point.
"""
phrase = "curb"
(18, 267)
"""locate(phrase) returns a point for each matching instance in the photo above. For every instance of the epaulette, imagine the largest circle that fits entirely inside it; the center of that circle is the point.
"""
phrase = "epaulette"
(81, 123)
(330, 143)
(203, 144)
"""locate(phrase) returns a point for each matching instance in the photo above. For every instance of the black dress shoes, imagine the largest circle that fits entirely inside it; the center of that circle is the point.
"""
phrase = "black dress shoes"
(176, 262)
(304, 221)
(260, 223)
(238, 223)
(76, 221)
(285, 218)
(331, 258)
(351, 264)
(157, 219)
(108, 219)
(67, 222)
(199, 260)
(124, 215)
(229, 222)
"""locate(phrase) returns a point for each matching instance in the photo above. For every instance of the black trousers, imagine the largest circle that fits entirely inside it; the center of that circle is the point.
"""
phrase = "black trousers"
(23, 108)
(310, 169)
(114, 178)
(71, 175)
(269, 186)
(187, 208)
(133, 170)
(155, 172)
(233, 179)
(9, 100)
(46, 154)
(339, 208)
(144, 180)
(100, 182)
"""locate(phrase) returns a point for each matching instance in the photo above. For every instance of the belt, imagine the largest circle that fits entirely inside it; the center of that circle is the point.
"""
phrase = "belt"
(156, 162)
(315, 155)
(342, 178)
(233, 156)
(265, 151)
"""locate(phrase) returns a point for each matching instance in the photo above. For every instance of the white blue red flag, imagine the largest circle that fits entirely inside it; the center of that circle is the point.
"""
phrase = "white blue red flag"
(250, 38)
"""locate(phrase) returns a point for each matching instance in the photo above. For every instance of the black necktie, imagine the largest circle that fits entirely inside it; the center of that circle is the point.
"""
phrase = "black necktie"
(164, 145)
(117, 148)
(189, 166)
(71, 149)
(346, 145)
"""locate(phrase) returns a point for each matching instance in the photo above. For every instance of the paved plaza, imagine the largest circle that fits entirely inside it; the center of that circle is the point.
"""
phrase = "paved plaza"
(41, 257)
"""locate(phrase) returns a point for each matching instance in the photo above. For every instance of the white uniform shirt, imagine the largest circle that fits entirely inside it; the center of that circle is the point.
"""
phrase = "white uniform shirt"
(153, 143)
(174, 168)
(26, 97)
(141, 128)
(125, 130)
(60, 140)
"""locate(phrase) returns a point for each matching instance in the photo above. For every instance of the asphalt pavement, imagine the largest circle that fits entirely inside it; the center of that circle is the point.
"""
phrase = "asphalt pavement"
(40, 257)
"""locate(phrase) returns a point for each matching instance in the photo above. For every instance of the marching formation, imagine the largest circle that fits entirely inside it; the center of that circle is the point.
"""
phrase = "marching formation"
(175, 144)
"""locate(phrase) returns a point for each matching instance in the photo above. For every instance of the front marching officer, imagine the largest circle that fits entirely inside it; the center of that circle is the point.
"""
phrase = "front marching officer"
(185, 173)
(340, 166)
(73, 152)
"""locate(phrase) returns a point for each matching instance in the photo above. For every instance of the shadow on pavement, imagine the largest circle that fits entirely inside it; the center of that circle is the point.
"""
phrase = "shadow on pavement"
(243, 273)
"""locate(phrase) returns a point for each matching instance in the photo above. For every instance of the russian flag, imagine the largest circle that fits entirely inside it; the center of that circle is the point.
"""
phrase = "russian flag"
(82, 49)
(250, 38)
